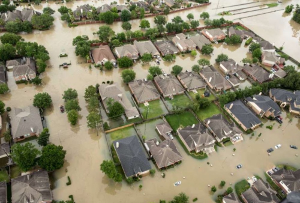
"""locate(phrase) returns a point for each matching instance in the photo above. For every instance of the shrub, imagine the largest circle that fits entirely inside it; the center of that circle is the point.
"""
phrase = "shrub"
(248, 41)
(195, 199)
(106, 126)
(152, 172)
(213, 189)
(222, 184)
(69, 181)
(8, 109)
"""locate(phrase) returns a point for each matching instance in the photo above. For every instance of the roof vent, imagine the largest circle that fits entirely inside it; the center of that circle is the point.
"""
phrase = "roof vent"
(209, 79)
(208, 122)
(230, 105)
(157, 143)
(117, 145)
(193, 125)
(31, 129)
(173, 89)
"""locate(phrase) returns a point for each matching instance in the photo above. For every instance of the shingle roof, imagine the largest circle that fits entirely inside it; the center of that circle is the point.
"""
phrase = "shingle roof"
(25, 68)
(265, 103)
(163, 129)
(233, 31)
(3, 192)
(103, 53)
(2, 74)
(200, 40)
(4, 147)
(283, 95)
(266, 45)
(82, 10)
(132, 156)
(165, 153)
(213, 77)
(181, 39)
(245, 116)
(14, 62)
(191, 80)
(257, 72)
(25, 121)
(166, 47)
(290, 178)
(34, 186)
(215, 33)
(168, 85)
(143, 90)
(280, 73)
(144, 47)
(231, 198)
(127, 50)
(104, 8)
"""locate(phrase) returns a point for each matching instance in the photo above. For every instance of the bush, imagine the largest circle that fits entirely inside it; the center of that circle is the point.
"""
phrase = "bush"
(248, 41)
(213, 189)
(73, 117)
(289, 8)
(8, 109)
(106, 126)
(195, 199)
(222, 184)
(152, 172)
(69, 181)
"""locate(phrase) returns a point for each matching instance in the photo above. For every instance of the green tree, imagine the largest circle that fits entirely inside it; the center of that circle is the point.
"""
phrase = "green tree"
(146, 57)
(43, 138)
(142, 13)
(70, 94)
(196, 68)
(82, 48)
(176, 69)
(105, 33)
(166, 10)
(296, 16)
(204, 15)
(73, 117)
(80, 38)
(144, 24)
(203, 103)
(194, 24)
(222, 183)
(289, 69)
(190, 16)
(247, 60)
(203, 62)
(24, 155)
(90, 92)
(289, 8)
(229, 190)
(93, 120)
(42, 22)
(177, 20)
(42, 100)
(7, 136)
(13, 26)
(207, 49)
(41, 65)
(194, 53)
(208, 22)
(128, 75)
(151, 33)
(125, 15)
(216, 23)
(161, 28)
(125, 62)
(107, 17)
(10, 38)
(254, 46)
(116, 43)
(72, 105)
(48, 10)
(221, 57)
(233, 39)
(93, 104)
(109, 169)
(63, 10)
(256, 53)
(126, 26)
(160, 20)
(36, 81)
(181, 198)
(2, 107)
(213, 189)
(7, 51)
(115, 109)
(150, 77)
(155, 70)
(52, 158)
(3, 88)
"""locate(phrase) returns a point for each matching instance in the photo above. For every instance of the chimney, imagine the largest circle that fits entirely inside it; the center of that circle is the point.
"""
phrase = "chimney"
(230, 105)
(31, 128)
(117, 145)
(157, 143)
(193, 125)
(208, 122)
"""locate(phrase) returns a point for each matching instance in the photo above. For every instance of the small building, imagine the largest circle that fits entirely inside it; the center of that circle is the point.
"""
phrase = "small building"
(3, 77)
(132, 156)
(230, 67)
(197, 138)
(166, 47)
(214, 79)
(112, 91)
(287, 180)
(102, 54)
(270, 59)
(257, 73)
(222, 129)
(128, 50)
(191, 80)
(214, 34)
(233, 31)
(286, 98)
(23, 69)
(242, 115)
(4, 149)
(266, 46)
(200, 41)
(25, 122)
(263, 106)
(260, 192)
(146, 47)
(164, 130)
(230, 198)
(164, 153)
(3, 192)
(183, 43)
(81, 12)
(143, 91)
(168, 85)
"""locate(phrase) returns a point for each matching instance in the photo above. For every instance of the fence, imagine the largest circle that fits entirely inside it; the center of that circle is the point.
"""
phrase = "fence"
(118, 128)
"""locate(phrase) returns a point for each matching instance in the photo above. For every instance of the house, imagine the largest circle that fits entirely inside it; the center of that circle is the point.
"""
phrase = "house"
(33, 187)
(191, 80)
(120, 8)
(23, 69)
(280, 73)
(197, 138)
(25, 122)
(257, 73)
(143, 91)
(146, 47)
(168, 85)
(263, 106)
(164, 153)
(166, 47)
(108, 92)
(222, 129)
(25, 14)
(132, 156)
(104, 8)
(11, 63)
(102, 54)
(164, 130)
(3, 192)
(214, 34)
(214, 79)
(141, 4)
(230, 67)
(286, 98)
(183, 43)
(127, 50)
(230, 198)
(3, 77)
(270, 59)
(260, 192)
(242, 115)
(81, 12)
(234, 31)
(200, 41)
(266, 46)
(4, 150)
(287, 180)
(169, 3)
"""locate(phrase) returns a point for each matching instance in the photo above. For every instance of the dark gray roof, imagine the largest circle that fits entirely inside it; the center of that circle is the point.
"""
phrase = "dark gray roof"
(266, 45)
(168, 85)
(257, 72)
(146, 47)
(290, 178)
(34, 186)
(3, 192)
(27, 66)
(293, 197)
(132, 156)
(283, 95)
(104, 8)
(200, 40)
(245, 116)
(4, 147)
(280, 73)
(233, 31)
(82, 10)
(144, 90)
(191, 80)
(215, 78)
(163, 129)
(2, 74)
(231, 198)
(166, 47)
(265, 103)
(141, 4)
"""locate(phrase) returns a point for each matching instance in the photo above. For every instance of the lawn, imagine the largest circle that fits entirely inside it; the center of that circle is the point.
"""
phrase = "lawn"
(120, 134)
(148, 129)
(201, 92)
(4, 176)
(274, 186)
(208, 112)
(287, 167)
(181, 101)
(182, 119)
(241, 187)
(156, 108)
(272, 5)
(15, 171)
(239, 27)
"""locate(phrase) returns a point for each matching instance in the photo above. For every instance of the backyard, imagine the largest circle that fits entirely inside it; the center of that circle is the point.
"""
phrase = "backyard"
(182, 119)
(241, 187)
(120, 134)
(4, 175)
(148, 129)
(201, 92)
(155, 109)
(211, 110)
(179, 101)
(15, 171)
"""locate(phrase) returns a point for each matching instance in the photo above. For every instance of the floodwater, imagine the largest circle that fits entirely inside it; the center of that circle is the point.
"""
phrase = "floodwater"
(86, 150)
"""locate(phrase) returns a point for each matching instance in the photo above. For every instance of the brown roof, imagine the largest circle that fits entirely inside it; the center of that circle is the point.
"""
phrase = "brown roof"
(127, 50)
(191, 80)
(144, 91)
(102, 54)
(200, 40)
(166, 47)
(168, 85)
(212, 76)
(163, 129)
(260, 74)
(146, 47)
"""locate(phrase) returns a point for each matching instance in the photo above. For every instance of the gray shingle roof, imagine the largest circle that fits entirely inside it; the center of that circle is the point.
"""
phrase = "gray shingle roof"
(128, 50)
(104, 8)
(283, 95)
(2, 74)
(168, 85)
(200, 40)
(144, 47)
(191, 80)
(266, 45)
(212, 76)
(265, 103)
(132, 156)
(26, 67)
(280, 73)
(257, 72)
(143, 90)
(231, 198)
(4, 147)
(166, 47)
(163, 129)
(245, 116)
(290, 178)
(3, 192)
(233, 31)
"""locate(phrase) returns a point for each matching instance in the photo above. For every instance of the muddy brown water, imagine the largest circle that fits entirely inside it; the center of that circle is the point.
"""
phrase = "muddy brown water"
(86, 150)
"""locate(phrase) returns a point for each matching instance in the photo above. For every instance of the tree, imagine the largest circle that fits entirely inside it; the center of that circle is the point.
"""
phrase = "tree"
(7, 51)
(10, 38)
(203, 62)
(116, 43)
(108, 65)
(151, 33)
(93, 120)
(256, 53)
(115, 109)
(7, 136)
(166, 10)
(121, 36)
(48, 10)
(108, 167)
(233, 39)
(72, 104)
(36, 81)
(194, 24)
(42, 22)
(155, 70)
(105, 33)
(42, 100)
(13, 26)
(107, 17)
(73, 117)
(222, 183)
(177, 20)
(70, 94)
(128, 75)
(53, 157)
(208, 22)
(146, 57)
(161, 28)
(150, 77)
(190, 16)
(254, 46)
(289, 69)
(24, 155)
(126, 26)
(82, 48)
(125, 15)
(229, 190)
(160, 20)
(125, 62)
(63, 10)
(170, 57)
(144, 24)
(202, 102)
(90, 92)
(41, 65)
(221, 57)
(194, 53)
(196, 68)
(204, 15)
(2, 105)
(142, 13)
(3, 88)
(207, 49)
(43, 138)
(296, 16)
(289, 8)
(93, 104)
(176, 69)
(181, 198)
(247, 60)
(255, 60)
(213, 189)
(216, 23)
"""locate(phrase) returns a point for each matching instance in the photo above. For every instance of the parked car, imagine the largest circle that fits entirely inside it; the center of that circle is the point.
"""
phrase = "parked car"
(270, 173)
(278, 146)
(170, 136)
(278, 120)
(293, 147)
(270, 150)
(62, 109)
(239, 166)
(177, 183)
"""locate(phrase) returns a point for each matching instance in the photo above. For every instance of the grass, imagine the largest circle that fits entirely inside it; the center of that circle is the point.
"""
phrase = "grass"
(122, 133)
(239, 27)
(15, 171)
(201, 92)
(199, 156)
(114, 155)
(227, 143)
(4, 176)
(208, 112)
(182, 119)
(274, 186)
(272, 5)
(156, 108)
(287, 167)
(241, 187)
(181, 101)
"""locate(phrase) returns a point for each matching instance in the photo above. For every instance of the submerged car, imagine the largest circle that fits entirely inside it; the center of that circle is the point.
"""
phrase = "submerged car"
(293, 147)
(270, 150)
(278, 120)
(278, 146)
(62, 109)
(239, 166)
(177, 183)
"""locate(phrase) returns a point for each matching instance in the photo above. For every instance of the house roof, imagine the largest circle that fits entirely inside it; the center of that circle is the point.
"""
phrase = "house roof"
(144, 47)
(166, 47)
(82, 10)
(2, 74)
(191, 80)
(103, 53)
(215, 33)
(283, 95)
(4, 147)
(26, 67)
(231, 198)
(215, 78)
(200, 40)
(221, 127)
(34, 186)
(141, 4)
(182, 40)
(266, 45)
(168, 85)
(25, 121)
(271, 56)
(163, 129)
(169, 3)
(144, 90)
(132, 156)
(233, 31)
(127, 50)
(241, 112)
(280, 73)
(27, 14)
(290, 178)
(3, 192)
(104, 8)
(265, 103)
(14, 62)
(257, 72)
(165, 153)
(197, 137)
